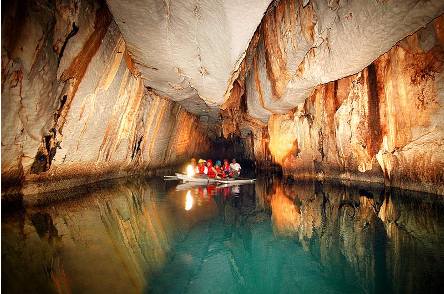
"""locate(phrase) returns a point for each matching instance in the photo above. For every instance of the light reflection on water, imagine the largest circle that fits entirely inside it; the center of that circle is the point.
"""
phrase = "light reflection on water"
(143, 236)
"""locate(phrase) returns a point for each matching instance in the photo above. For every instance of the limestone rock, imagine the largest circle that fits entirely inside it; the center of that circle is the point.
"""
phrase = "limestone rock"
(382, 124)
(74, 106)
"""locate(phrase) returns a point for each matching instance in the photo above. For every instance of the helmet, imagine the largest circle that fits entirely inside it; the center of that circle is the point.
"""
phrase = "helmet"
(218, 162)
(226, 160)
(210, 161)
(193, 159)
(201, 160)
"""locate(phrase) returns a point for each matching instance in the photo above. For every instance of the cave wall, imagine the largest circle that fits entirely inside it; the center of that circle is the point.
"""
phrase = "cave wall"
(77, 107)
(74, 107)
(382, 124)
(300, 45)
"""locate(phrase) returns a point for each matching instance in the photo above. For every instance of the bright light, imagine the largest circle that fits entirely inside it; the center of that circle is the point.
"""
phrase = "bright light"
(190, 171)
(189, 202)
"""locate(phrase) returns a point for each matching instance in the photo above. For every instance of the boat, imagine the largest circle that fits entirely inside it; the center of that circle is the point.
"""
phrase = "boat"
(236, 181)
(232, 181)
(186, 178)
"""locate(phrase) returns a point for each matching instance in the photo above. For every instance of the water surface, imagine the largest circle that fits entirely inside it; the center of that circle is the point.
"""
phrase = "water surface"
(150, 236)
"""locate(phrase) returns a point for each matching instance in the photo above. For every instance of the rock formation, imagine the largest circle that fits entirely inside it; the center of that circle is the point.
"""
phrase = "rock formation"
(74, 106)
(348, 90)
(328, 89)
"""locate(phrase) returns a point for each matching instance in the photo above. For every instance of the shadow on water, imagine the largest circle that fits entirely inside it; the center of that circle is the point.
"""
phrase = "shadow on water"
(150, 236)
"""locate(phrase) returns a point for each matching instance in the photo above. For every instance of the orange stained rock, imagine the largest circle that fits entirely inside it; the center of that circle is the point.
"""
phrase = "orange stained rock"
(274, 48)
(308, 21)
(186, 133)
(118, 56)
(151, 115)
(411, 97)
(260, 146)
(439, 27)
(235, 100)
(181, 124)
(124, 116)
(77, 69)
(130, 63)
(283, 136)
(286, 214)
(157, 126)
(277, 27)
(103, 82)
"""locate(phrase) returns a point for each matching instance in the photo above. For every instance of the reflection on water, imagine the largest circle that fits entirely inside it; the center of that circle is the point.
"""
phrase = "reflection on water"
(151, 236)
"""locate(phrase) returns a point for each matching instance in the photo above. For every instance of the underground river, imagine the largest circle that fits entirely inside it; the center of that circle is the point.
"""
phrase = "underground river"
(139, 235)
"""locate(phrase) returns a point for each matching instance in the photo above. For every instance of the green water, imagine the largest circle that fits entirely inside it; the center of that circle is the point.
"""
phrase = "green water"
(151, 236)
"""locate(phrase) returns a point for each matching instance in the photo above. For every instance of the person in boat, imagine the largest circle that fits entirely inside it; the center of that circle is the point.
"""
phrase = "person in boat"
(219, 170)
(192, 167)
(235, 168)
(211, 170)
(226, 169)
(202, 169)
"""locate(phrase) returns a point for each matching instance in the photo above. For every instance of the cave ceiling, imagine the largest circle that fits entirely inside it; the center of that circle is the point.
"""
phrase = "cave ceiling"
(187, 50)
(190, 51)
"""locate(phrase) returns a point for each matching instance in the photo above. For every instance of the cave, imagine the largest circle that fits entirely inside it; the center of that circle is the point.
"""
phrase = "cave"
(334, 108)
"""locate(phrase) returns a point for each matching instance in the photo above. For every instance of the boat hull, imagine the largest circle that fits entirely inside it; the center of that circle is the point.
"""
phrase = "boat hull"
(210, 181)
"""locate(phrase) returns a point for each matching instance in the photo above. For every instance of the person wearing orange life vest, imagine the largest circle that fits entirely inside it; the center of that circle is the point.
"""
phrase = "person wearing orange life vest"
(211, 170)
(226, 169)
(202, 170)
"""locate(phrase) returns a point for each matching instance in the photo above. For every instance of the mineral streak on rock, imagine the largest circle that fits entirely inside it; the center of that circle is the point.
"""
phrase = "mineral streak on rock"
(298, 47)
(274, 45)
(79, 112)
(32, 62)
(375, 122)
(344, 128)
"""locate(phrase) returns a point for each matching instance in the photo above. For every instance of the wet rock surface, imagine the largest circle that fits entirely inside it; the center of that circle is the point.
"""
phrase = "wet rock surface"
(76, 111)
(383, 124)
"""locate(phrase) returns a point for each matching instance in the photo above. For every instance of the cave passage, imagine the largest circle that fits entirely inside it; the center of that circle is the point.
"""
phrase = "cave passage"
(311, 89)
(152, 236)
(333, 108)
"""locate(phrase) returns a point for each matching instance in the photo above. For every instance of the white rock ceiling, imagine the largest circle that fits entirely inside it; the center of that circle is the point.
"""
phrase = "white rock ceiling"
(348, 37)
(188, 50)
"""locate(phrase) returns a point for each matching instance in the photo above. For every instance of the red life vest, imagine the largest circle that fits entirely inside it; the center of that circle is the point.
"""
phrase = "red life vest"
(201, 169)
(210, 191)
(227, 167)
(211, 173)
